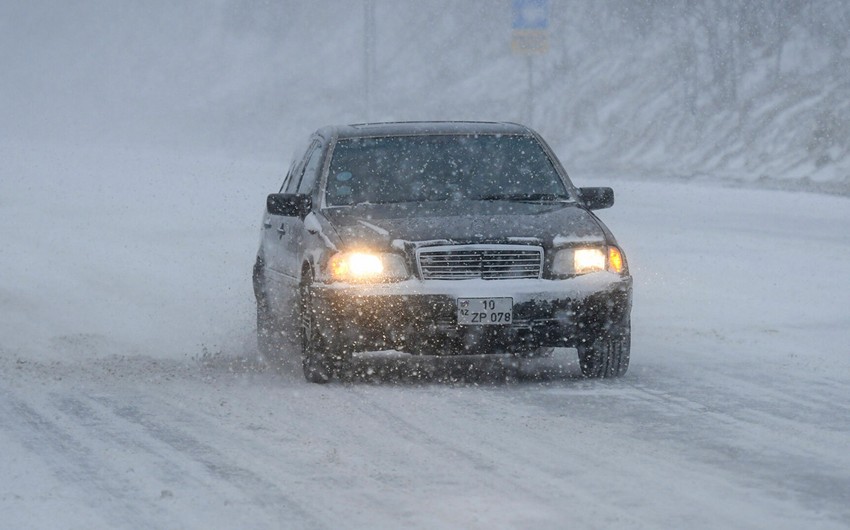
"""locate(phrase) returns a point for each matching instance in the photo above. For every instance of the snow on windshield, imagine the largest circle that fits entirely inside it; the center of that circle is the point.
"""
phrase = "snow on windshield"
(440, 168)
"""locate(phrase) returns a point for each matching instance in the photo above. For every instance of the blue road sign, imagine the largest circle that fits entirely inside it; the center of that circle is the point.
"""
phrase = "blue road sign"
(530, 14)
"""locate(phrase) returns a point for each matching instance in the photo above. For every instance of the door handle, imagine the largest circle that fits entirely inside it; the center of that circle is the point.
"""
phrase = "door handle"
(281, 230)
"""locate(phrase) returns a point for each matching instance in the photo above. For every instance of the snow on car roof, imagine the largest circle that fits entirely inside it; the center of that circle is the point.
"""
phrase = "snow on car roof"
(360, 130)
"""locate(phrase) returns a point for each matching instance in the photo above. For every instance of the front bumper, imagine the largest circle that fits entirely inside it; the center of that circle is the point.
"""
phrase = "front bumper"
(421, 316)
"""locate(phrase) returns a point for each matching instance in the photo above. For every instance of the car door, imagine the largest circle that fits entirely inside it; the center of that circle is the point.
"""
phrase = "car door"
(278, 263)
(287, 234)
(293, 237)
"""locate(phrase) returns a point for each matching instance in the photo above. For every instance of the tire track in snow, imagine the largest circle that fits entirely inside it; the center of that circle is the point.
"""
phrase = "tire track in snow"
(733, 436)
(261, 491)
(74, 463)
(718, 439)
(508, 467)
(112, 434)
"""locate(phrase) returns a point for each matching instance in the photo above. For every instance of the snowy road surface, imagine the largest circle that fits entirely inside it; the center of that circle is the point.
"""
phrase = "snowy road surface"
(735, 413)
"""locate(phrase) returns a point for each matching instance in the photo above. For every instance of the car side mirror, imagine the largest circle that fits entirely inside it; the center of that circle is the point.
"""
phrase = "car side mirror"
(597, 198)
(289, 204)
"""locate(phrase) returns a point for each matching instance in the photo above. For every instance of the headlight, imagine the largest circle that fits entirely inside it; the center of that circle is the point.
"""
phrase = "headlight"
(582, 260)
(588, 260)
(362, 266)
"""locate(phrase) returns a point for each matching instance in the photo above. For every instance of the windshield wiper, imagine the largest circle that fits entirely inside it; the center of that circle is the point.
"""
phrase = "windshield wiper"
(524, 197)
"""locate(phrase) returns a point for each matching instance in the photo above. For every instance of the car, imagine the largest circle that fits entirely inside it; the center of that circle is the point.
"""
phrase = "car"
(438, 238)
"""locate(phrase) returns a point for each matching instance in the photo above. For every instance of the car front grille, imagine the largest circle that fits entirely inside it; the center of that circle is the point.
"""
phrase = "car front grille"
(488, 262)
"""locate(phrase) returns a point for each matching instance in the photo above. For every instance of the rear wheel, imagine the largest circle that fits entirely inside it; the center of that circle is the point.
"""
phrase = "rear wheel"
(269, 338)
(608, 355)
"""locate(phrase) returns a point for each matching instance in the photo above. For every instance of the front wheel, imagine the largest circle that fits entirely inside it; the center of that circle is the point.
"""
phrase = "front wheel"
(322, 356)
(608, 355)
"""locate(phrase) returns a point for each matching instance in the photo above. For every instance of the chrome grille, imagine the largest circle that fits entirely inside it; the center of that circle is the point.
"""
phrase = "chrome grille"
(488, 262)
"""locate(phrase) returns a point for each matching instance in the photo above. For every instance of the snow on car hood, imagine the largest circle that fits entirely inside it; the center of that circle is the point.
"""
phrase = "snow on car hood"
(377, 225)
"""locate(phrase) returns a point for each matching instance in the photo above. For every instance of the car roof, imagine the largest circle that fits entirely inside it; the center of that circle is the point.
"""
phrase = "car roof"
(416, 128)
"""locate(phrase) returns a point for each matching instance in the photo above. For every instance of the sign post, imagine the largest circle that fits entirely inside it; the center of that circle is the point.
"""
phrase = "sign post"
(530, 37)
(368, 54)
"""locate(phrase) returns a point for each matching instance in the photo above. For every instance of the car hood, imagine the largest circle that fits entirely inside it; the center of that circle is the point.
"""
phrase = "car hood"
(384, 225)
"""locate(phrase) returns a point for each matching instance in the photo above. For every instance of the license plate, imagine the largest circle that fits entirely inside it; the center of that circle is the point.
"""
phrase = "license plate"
(484, 311)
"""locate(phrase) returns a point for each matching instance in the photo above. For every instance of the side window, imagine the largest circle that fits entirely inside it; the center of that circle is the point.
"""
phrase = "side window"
(288, 176)
(296, 167)
(298, 174)
(311, 170)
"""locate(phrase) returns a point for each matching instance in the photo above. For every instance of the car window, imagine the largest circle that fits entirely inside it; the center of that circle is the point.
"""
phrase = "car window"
(311, 170)
(296, 169)
(292, 186)
(288, 176)
(439, 168)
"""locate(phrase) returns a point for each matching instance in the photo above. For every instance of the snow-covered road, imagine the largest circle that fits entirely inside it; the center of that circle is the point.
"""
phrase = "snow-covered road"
(114, 412)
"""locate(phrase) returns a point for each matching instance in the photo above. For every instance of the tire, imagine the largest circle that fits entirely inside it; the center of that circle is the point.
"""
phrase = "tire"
(608, 355)
(269, 338)
(316, 360)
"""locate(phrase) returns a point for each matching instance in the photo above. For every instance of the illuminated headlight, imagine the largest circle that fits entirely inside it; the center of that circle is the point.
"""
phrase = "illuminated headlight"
(582, 260)
(362, 266)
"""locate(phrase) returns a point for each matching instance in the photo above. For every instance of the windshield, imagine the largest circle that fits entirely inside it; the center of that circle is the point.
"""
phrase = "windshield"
(441, 168)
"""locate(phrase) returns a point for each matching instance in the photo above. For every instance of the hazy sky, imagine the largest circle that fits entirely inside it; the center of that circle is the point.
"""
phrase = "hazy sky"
(646, 81)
